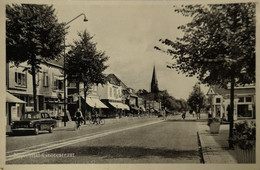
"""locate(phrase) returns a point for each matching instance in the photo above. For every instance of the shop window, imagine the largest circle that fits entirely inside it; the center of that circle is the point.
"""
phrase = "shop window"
(20, 79)
(218, 100)
(244, 111)
(248, 99)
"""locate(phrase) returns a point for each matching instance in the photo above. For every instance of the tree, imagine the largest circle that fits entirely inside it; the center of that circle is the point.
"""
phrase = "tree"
(218, 46)
(85, 64)
(33, 35)
(196, 99)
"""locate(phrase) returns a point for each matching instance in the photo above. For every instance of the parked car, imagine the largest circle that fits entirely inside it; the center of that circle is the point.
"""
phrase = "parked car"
(35, 122)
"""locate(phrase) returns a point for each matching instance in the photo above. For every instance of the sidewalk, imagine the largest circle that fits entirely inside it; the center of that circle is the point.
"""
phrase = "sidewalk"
(215, 146)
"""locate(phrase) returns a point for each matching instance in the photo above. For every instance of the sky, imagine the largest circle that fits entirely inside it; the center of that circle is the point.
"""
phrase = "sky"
(128, 32)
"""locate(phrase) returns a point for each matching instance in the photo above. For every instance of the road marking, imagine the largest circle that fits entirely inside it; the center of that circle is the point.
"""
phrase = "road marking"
(62, 143)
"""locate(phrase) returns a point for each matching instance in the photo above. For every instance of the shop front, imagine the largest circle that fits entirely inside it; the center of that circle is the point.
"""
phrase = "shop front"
(15, 108)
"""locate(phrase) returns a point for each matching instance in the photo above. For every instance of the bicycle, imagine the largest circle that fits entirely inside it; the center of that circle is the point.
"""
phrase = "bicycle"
(97, 121)
(79, 122)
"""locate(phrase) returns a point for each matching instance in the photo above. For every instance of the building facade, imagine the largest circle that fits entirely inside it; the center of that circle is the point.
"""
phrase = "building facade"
(50, 89)
(49, 82)
(111, 95)
(244, 102)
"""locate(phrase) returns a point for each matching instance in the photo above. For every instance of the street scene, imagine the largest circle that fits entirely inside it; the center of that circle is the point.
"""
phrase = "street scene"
(130, 83)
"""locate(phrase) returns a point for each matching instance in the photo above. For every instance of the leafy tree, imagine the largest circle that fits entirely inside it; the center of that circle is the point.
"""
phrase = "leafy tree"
(196, 99)
(85, 64)
(218, 45)
(33, 35)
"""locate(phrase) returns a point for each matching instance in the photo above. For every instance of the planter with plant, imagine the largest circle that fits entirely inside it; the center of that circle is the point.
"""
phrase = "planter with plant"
(244, 140)
(214, 124)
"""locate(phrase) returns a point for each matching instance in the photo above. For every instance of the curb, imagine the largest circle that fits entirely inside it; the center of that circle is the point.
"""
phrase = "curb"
(202, 160)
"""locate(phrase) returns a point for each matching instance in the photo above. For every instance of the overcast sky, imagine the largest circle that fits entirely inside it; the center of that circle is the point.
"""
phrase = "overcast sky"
(128, 32)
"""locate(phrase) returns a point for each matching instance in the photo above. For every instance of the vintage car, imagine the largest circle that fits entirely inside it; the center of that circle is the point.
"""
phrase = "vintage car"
(35, 122)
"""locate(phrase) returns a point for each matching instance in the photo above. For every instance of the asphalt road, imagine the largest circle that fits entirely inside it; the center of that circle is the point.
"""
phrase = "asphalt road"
(142, 141)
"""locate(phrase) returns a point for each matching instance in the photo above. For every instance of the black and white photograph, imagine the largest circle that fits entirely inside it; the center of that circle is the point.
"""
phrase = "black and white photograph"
(123, 83)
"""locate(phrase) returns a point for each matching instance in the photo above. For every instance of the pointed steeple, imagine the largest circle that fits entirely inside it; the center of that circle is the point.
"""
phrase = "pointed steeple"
(154, 83)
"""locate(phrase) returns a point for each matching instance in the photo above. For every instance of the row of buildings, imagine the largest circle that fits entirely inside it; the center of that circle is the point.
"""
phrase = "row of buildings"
(112, 99)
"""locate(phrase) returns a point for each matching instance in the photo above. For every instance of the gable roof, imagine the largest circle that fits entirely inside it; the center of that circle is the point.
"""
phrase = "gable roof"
(248, 89)
(113, 79)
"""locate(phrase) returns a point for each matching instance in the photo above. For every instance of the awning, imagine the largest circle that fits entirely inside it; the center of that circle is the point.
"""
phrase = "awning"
(119, 105)
(134, 108)
(60, 77)
(115, 105)
(123, 106)
(126, 106)
(12, 99)
(93, 102)
(98, 103)
(90, 102)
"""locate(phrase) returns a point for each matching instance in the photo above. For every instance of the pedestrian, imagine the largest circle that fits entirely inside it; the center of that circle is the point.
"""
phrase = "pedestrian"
(193, 113)
(218, 113)
(78, 118)
(183, 115)
(164, 114)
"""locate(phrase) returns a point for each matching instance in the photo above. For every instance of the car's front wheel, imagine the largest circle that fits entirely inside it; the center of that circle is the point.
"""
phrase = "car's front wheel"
(36, 130)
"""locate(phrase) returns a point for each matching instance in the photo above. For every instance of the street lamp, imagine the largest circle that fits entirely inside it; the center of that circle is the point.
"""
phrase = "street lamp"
(65, 99)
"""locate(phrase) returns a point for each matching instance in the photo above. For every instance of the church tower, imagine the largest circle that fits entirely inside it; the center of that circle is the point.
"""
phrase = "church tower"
(154, 83)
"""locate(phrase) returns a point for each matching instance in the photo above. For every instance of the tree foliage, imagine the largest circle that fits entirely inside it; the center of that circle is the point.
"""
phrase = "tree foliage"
(166, 100)
(196, 98)
(84, 62)
(219, 40)
(33, 35)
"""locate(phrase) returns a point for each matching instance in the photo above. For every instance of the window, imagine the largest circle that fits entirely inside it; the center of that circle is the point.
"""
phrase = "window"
(58, 85)
(218, 100)
(110, 91)
(115, 93)
(20, 79)
(45, 79)
(241, 99)
(244, 110)
(248, 99)
(37, 79)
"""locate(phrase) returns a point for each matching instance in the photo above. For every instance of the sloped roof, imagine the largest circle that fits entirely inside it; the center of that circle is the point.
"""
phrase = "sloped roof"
(113, 79)
(237, 90)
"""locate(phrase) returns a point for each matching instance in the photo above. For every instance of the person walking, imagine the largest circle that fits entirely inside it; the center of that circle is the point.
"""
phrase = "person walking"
(183, 115)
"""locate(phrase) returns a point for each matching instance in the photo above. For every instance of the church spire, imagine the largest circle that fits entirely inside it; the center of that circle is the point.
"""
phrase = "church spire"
(154, 83)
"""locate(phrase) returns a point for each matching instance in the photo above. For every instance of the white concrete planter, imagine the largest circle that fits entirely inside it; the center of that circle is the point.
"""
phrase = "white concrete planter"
(58, 123)
(214, 127)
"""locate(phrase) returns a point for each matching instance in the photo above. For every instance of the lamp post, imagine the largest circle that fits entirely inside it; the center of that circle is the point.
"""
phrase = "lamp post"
(64, 82)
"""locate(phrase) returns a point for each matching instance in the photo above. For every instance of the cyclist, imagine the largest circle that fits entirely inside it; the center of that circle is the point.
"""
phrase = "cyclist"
(78, 118)
(96, 117)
